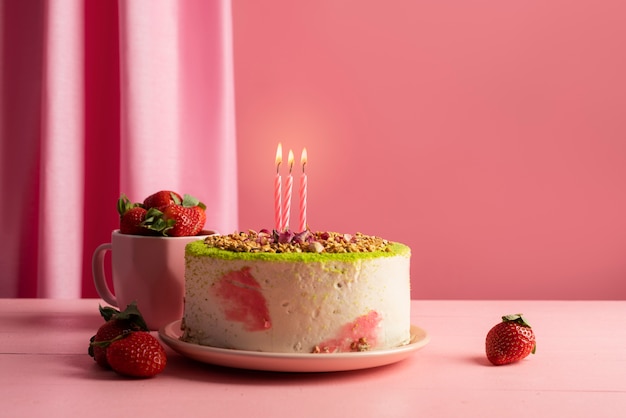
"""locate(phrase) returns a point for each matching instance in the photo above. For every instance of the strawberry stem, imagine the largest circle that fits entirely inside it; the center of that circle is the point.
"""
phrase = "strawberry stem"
(131, 314)
(517, 318)
(124, 205)
(105, 344)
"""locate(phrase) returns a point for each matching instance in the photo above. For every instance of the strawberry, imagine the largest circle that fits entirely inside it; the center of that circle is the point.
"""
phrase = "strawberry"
(132, 217)
(161, 199)
(186, 219)
(202, 214)
(131, 222)
(136, 354)
(162, 213)
(117, 323)
(509, 341)
(183, 221)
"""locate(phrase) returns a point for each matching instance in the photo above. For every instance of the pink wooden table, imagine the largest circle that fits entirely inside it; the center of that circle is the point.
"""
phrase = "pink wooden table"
(579, 370)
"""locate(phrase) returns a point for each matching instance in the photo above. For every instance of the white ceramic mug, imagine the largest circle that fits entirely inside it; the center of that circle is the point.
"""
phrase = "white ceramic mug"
(147, 269)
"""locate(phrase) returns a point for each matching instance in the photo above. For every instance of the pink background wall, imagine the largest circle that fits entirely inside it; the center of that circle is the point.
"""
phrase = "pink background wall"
(488, 135)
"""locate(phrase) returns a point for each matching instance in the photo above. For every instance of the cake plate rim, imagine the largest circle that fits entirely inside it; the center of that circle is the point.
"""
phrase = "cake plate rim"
(291, 362)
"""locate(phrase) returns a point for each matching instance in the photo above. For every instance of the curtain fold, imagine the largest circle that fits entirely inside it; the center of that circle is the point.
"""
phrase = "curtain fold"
(104, 98)
(149, 61)
(62, 149)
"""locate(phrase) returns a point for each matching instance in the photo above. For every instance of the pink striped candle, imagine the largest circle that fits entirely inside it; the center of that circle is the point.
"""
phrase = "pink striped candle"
(278, 222)
(288, 190)
(303, 191)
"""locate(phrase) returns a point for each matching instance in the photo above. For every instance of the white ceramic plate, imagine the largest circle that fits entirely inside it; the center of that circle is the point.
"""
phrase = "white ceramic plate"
(291, 362)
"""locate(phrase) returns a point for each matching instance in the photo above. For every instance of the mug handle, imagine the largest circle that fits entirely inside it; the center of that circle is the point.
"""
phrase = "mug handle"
(99, 278)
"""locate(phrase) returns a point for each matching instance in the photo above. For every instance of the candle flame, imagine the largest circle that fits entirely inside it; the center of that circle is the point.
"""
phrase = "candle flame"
(290, 160)
(279, 156)
(303, 158)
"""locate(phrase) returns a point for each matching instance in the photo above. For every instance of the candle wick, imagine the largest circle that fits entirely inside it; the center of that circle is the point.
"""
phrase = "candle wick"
(277, 168)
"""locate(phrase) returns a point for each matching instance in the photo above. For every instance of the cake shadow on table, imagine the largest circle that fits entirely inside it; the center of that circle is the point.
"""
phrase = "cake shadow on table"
(180, 367)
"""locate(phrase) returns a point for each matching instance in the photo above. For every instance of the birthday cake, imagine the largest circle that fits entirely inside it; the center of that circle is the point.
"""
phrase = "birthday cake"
(312, 292)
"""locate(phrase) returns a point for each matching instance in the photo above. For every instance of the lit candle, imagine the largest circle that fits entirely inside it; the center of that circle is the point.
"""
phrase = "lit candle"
(303, 192)
(288, 189)
(277, 189)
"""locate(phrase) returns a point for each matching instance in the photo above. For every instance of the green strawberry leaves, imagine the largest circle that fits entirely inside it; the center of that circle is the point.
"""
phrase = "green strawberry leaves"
(130, 314)
(124, 205)
(517, 318)
(190, 201)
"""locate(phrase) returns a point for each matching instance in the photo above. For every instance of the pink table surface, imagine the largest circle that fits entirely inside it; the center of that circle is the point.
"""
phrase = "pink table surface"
(579, 369)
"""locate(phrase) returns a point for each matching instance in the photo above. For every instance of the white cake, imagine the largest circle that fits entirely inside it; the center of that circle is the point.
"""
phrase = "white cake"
(314, 292)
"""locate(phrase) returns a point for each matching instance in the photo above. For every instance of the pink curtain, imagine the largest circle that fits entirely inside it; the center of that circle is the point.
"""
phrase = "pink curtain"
(100, 98)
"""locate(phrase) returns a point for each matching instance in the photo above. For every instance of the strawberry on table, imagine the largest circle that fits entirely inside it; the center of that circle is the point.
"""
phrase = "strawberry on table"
(509, 341)
(136, 354)
(116, 324)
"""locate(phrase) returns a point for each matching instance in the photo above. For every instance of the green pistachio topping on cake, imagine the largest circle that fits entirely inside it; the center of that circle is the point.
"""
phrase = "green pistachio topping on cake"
(303, 246)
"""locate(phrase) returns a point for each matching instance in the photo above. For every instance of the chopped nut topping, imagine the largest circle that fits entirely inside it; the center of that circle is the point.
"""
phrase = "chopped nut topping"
(317, 350)
(288, 242)
(360, 345)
